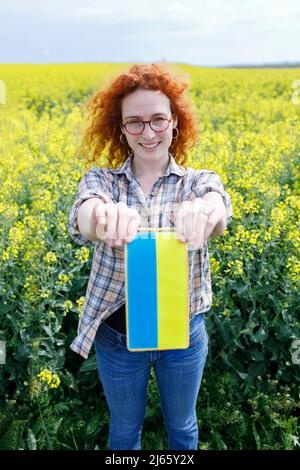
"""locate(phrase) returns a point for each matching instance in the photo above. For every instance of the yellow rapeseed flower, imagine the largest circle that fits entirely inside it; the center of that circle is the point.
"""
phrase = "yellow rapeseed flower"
(80, 303)
(235, 268)
(67, 306)
(215, 265)
(82, 254)
(49, 377)
(63, 278)
(50, 257)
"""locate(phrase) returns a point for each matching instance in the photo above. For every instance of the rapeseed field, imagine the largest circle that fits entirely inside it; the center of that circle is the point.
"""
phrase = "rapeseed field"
(50, 398)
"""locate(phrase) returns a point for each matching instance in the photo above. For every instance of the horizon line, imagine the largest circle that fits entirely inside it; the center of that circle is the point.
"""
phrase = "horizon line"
(280, 64)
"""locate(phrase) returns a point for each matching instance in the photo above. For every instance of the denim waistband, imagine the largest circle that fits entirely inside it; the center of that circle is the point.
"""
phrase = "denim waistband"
(122, 339)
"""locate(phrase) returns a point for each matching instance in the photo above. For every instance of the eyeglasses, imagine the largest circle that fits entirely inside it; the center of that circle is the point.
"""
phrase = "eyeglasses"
(137, 126)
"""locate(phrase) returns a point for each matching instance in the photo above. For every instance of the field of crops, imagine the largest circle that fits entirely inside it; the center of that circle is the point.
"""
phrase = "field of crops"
(51, 398)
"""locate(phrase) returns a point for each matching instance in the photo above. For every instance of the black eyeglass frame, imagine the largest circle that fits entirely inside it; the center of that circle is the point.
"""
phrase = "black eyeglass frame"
(149, 122)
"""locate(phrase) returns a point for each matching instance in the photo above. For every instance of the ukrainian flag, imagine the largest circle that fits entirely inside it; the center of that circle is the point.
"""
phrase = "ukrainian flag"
(156, 291)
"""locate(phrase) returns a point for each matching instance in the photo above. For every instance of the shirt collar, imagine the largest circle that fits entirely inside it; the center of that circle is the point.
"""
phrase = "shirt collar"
(173, 167)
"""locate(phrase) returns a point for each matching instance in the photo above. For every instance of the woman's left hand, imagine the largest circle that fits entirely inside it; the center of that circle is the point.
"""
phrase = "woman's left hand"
(194, 226)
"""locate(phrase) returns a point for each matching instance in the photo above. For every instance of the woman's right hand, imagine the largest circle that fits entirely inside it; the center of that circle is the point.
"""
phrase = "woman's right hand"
(116, 223)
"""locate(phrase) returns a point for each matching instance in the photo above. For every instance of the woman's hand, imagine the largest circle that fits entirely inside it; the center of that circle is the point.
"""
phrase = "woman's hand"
(116, 223)
(194, 226)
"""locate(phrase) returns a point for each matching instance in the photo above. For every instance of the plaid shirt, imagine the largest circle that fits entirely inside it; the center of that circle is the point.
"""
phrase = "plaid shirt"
(105, 290)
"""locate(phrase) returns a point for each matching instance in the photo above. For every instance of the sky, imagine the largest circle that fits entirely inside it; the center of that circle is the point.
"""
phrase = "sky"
(195, 32)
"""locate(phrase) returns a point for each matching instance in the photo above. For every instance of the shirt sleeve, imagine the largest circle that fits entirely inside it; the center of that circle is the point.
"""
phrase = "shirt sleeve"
(205, 181)
(92, 184)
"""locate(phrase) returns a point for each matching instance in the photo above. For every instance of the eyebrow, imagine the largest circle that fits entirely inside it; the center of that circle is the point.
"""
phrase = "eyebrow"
(140, 117)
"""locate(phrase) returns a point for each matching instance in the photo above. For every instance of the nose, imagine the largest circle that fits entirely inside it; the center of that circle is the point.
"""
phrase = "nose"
(148, 132)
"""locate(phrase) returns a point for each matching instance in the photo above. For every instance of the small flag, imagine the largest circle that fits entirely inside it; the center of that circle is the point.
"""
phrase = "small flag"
(156, 291)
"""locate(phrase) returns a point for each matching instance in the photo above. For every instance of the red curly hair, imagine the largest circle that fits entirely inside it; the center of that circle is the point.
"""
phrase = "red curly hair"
(104, 114)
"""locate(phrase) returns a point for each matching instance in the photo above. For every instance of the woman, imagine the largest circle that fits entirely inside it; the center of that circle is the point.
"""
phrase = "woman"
(150, 123)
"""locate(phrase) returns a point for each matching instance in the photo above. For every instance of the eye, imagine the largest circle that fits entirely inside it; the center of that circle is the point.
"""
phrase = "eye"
(133, 121)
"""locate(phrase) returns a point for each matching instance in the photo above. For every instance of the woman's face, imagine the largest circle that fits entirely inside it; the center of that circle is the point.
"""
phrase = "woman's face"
(143, 104)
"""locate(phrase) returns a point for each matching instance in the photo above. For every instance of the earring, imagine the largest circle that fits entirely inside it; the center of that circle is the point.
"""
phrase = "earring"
(122, 135)
(175, 136)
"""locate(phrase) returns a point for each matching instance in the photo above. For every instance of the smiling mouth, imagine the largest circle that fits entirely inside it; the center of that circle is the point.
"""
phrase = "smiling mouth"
(150, 146)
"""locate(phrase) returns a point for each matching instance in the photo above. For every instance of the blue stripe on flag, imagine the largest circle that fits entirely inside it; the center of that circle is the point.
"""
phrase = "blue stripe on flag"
(142, 292)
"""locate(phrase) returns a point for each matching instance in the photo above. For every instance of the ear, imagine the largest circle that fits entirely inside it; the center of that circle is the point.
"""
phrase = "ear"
(175, 121)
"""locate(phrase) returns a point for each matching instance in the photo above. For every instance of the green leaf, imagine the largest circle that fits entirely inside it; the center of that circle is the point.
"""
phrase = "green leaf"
(220, 442)
(93, 425)
(89, 365)
(60, 359)
(6, 308)
(48, 330)
(260, 336)
(256, 435)
(242, 375)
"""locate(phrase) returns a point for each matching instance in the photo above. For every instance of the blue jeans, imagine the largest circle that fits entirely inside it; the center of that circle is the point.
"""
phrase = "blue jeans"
(124, 376)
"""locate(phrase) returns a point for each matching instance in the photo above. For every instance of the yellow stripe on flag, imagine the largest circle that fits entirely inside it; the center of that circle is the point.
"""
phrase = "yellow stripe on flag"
(172, 292)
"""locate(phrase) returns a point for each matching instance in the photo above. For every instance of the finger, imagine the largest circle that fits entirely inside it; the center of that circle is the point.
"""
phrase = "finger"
(200, 226)
(212, 220)
(133, 225)
(100, 214)
(101, 222)
(189, 221)
(122, 221)
(197, 205)
(112, 220)
(179, 222)
(101, 232)
(211, 223)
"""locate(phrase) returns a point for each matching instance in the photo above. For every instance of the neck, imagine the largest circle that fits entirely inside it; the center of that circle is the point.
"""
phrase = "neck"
(142, 169)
